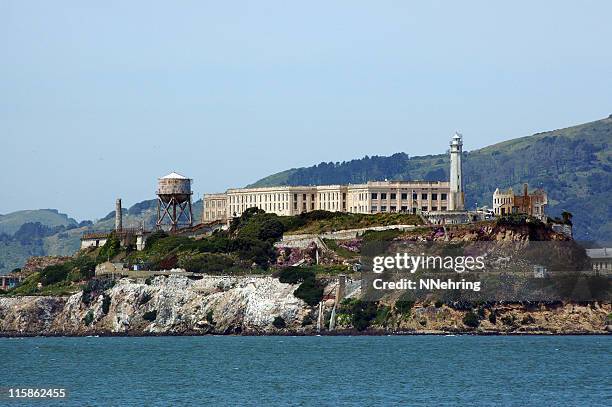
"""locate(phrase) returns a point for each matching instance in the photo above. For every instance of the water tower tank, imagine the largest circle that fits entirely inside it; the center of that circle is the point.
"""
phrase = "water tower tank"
(174, 201)
(174, 186)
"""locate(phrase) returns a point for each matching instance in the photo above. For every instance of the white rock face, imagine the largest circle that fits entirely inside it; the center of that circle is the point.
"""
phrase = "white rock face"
(175, 304)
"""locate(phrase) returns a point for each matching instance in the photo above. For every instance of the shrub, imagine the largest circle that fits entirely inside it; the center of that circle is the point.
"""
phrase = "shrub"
(110, 249)
(206, 263)
(89, 317)
(404, 305)
(471, 319)
(279, 323)
(382, 315)
(106, 301)
(54, 274)
(294, 275)
(493, 317)
(362, 313)
(380, 235)
(86, 266)
(209, 317)
(150, 315)
(528, 319)
(509, 319)
(153, 238)
(311, 291)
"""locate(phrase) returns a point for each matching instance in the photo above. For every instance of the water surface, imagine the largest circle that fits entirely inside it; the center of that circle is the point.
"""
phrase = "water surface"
(394, 370)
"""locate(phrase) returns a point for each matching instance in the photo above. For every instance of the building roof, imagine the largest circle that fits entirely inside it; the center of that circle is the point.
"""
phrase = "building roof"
(604, 253)
(174, 175)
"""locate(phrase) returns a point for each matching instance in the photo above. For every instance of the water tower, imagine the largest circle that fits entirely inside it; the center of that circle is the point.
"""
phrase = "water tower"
(174, 201)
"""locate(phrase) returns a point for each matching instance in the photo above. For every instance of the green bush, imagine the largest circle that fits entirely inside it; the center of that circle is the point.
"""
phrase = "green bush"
(382, 315)
(153, 238)
(106, 302)
(54, 274)
(471, 319)
(294, 275)
(380, 235)
(206, 263)
(493, 317)
(150, 315)
(89, 317)
(362, 313)
(311, 291)
(110, 249)
(209, 317)
(404, 305)
(86, 266)
(279, 323)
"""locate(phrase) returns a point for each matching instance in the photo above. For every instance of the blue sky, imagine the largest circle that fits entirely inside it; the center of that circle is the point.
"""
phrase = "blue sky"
(98, 100)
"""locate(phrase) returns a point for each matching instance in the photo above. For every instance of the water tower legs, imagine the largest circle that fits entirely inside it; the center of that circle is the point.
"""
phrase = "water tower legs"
(170, 213)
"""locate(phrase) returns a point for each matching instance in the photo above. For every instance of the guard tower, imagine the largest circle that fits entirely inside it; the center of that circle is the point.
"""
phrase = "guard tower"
(174, 201)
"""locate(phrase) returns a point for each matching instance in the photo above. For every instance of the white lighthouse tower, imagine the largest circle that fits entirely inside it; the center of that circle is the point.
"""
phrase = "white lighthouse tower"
(456, 182)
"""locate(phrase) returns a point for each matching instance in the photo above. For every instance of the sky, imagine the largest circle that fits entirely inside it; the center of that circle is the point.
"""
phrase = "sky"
(99, 99)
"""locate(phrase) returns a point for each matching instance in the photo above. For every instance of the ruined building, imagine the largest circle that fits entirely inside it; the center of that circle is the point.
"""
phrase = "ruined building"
(533, 204)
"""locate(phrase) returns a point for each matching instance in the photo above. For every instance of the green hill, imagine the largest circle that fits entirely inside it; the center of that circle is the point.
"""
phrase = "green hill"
(47, 232)
(574, 165)
(11, 222)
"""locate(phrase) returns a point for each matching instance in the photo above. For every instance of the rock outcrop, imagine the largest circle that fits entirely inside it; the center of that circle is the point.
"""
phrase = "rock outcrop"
(168, 305)
(249, 305)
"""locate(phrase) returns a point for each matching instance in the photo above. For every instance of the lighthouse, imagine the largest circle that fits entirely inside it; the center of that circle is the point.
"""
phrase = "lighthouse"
(456, 183)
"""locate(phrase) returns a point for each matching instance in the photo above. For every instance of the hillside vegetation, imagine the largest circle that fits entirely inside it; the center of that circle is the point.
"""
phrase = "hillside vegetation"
(574, 166)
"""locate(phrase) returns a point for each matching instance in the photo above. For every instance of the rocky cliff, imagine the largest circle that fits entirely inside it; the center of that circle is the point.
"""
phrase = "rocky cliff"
(255, 305)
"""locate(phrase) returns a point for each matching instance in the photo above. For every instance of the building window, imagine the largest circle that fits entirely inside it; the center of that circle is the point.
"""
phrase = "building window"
(434, 208)
(404, 208)
(404, 196)
(374, 195)
(383, 208)
(393, 196)
(443, 208)
(374, 208)
(424, 208)
(295, 197)
(304, 196)
(414, 196)
(392, 208)
(424, 196)
(383, 195)
(443, 197)
(434, 197)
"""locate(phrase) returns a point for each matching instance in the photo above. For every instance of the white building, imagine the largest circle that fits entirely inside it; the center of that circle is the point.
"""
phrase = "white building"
(372, 197)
